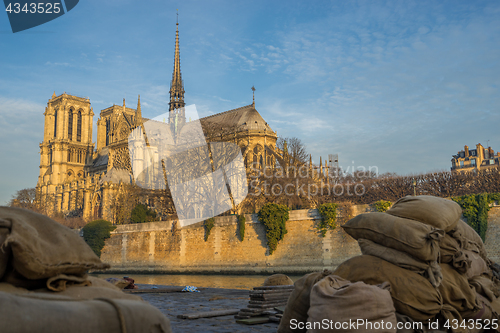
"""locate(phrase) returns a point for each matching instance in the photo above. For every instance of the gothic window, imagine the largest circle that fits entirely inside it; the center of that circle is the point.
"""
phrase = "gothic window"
(79, 127)
(55, 123)
(69, 155)
(107, 132)
(70, 124)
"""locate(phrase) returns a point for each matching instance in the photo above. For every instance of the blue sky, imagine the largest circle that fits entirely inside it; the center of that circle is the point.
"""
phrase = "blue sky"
(400, 85)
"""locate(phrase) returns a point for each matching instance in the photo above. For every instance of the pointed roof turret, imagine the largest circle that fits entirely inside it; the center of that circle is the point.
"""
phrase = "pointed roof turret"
(176, 86)
(138, 113)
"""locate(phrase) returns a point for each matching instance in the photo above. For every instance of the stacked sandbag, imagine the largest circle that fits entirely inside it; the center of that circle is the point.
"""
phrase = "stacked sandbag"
(440, 213)
(341, 302)
(412, 237)
(406, 243)
(435, 264)
(299, 302)
(412, 294)
(43, 278)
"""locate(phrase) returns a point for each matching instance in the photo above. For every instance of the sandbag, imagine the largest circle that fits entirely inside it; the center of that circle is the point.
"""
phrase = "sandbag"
(62, 281)
(430, 270)
(476, 319)
(478, 265)
(90, 288)
(412, 294)
(415, 238)
(338, 301)
(299, 302)
(58, 314)
(456, 291)
(437, 212)
(278, 280)
(485, 287)
(4, 250)
(469, 239)
(42, 248)
(452, 253)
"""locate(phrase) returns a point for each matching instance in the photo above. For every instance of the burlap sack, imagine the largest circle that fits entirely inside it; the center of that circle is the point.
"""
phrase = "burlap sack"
(456, 291)
(4, 250)
(299, 301)
(90, 288)
(437, 212)
(484, 286)
(13, 277)
(478, 265)
(42, 248)
(415, 238)
(278, 280)
(62, 281)
(338, 301)
(430, 270)
(481, 316)
(469, 239)
(412, 294)
(59, 314)
(452, 253)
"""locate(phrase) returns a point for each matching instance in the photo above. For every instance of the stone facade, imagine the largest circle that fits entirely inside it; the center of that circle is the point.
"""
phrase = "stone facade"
(78, 176)
(481, 158)
(160, 247)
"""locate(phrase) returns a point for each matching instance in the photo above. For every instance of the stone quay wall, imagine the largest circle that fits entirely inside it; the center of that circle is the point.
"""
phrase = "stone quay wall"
(160, 247)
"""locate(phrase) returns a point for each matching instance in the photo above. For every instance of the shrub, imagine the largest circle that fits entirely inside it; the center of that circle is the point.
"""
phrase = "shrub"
(141, 214)
(382, 205)
(95, 233)
(241, 226)
(475, 208)
(328, 213)
(274, 217)
(209, 224)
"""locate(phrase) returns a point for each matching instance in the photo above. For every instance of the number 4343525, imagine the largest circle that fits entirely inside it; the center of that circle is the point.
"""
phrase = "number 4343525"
(40, 8)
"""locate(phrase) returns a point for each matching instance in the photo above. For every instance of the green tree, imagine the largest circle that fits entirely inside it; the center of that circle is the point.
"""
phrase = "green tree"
(475, 208)
(95, 233)
(141, 214)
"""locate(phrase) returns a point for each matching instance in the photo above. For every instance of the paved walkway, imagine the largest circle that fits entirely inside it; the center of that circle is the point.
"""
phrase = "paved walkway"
(209, 299)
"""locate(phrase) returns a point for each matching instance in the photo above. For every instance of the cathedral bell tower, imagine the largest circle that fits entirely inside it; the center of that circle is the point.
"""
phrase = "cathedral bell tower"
(66, 148)
(177, 115)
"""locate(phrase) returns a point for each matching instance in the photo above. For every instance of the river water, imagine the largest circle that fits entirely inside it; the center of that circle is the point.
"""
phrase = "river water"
(207, 281)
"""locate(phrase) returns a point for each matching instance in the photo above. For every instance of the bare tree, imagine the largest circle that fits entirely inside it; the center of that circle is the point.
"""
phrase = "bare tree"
(294, 150)
(25, 198)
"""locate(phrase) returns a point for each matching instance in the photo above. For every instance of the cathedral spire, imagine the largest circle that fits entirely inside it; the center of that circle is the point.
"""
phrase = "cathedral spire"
(176, 86)
(138, 113)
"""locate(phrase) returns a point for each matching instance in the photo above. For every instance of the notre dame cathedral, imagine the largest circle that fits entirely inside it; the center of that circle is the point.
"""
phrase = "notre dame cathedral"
(79, 175)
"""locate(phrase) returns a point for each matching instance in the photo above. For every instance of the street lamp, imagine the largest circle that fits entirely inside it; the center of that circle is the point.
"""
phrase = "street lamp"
(414, 185)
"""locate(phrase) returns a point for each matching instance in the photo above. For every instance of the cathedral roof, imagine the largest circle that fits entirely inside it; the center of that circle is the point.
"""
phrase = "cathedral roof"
(116, 175)
(243, 118)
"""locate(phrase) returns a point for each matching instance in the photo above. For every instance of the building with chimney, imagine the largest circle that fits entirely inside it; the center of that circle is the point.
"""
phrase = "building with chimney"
(481, 158)
(78, 176)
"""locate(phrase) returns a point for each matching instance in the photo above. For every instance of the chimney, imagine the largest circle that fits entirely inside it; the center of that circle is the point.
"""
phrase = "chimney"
(466, 148)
